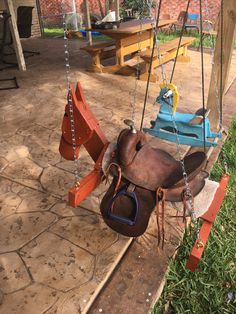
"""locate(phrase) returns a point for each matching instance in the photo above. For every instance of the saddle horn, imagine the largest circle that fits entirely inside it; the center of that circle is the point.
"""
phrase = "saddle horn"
(130, 123)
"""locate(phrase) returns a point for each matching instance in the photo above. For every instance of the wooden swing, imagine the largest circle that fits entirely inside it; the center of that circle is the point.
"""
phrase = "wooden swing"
(89, 134)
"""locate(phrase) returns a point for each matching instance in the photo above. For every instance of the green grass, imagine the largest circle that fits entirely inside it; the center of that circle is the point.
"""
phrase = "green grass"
(59, 32)
(53, 32)
(162, 36)
(207, 42)
(206, 291)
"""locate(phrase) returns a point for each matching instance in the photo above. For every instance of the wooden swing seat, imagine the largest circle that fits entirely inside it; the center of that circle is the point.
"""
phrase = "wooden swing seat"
(168, 52)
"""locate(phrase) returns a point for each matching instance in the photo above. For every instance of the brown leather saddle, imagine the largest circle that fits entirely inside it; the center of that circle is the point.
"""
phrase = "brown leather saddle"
(129, 201)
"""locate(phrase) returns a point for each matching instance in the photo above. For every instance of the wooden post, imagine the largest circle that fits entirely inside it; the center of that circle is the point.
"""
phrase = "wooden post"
(117, 4)
(40, 17)
(15, 36)
(88, 21)
(229, 22)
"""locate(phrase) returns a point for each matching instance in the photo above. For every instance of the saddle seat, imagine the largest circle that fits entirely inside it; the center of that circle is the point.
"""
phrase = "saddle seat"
(151, 168)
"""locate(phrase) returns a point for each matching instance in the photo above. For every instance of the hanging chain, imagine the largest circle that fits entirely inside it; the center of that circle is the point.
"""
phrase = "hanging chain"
(69, 97)
(187, 193)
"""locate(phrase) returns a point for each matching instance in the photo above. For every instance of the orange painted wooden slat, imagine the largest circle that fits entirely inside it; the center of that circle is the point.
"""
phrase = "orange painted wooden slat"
(209, 218)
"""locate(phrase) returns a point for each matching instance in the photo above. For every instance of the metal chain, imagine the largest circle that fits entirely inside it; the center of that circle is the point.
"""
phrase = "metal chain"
(69, 97)
(188, 193)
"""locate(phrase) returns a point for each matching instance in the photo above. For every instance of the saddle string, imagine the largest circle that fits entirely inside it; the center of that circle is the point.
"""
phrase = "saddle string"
(185, 207)
(157, 219)
(163, 220)
(106, 175)
(160, 198)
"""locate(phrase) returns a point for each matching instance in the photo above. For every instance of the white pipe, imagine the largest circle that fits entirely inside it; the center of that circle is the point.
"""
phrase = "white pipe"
(75, 22)
(88, 21)
(117, 6)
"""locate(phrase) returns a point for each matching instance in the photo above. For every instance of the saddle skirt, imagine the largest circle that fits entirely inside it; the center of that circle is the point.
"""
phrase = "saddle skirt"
(142, 170)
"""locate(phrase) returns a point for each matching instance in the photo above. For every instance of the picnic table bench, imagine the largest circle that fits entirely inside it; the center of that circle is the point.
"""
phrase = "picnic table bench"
(129, 38)
(168, 52)
(99, 52)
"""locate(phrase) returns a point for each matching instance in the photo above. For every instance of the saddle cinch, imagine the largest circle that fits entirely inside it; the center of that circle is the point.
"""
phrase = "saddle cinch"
(146, 175)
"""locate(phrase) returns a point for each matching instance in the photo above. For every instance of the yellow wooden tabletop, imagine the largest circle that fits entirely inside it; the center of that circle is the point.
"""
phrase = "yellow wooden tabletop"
(134, 26)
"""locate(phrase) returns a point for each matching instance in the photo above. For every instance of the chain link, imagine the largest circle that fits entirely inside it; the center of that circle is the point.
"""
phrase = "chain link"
(69, 97)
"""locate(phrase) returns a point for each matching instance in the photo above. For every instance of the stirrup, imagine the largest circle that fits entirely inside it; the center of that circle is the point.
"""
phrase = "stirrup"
(132, 196)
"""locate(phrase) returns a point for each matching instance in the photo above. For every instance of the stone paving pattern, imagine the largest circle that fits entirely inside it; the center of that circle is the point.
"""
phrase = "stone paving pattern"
(53, 258)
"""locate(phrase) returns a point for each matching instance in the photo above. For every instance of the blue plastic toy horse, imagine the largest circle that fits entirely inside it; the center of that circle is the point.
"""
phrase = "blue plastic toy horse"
(188, 127)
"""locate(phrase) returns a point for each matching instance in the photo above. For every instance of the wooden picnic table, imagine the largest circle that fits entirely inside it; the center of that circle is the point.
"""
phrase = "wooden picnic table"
(131, 37)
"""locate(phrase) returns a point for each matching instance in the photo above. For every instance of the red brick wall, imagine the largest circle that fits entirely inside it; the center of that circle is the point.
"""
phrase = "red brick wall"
(173, 7)
(53, 8)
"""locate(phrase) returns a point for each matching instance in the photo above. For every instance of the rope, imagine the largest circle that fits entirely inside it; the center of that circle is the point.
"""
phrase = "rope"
(221, 82)
(221, 61)
(150, 66)
(180, 39)
(203, 80)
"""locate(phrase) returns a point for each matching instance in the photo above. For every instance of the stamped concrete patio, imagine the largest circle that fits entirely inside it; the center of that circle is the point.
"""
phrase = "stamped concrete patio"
(53, 258)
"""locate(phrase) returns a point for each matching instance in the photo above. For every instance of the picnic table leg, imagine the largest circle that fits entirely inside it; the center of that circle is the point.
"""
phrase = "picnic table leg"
(184, 57)
(153, 76)
(151, 38)
(119, 53)
(96, 65)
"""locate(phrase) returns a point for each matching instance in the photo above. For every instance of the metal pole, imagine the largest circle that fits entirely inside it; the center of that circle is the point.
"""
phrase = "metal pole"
(88, 21)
